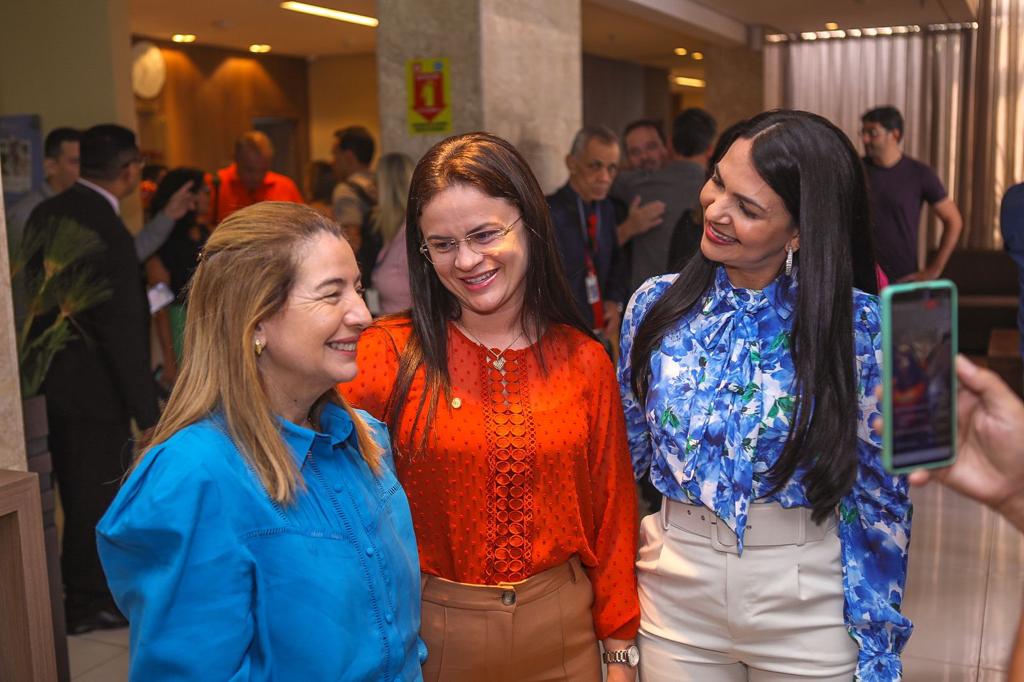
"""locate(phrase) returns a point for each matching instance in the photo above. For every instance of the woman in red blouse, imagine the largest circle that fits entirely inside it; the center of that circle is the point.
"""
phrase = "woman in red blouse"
(508, 432)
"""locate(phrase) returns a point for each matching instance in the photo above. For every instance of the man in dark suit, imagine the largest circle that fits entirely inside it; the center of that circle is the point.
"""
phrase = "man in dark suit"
(585, 228)
(101, 380)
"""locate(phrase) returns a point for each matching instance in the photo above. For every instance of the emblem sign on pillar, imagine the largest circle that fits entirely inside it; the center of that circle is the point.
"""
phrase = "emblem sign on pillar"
(428, 85)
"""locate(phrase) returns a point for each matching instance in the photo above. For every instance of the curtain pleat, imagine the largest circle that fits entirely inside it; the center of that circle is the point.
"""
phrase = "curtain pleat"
(961, 93)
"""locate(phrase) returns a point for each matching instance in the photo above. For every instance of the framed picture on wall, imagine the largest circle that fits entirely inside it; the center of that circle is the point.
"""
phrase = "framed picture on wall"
(21, 156)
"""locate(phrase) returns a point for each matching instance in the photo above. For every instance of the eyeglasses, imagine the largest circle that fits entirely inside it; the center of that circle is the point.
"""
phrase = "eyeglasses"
(438, 250)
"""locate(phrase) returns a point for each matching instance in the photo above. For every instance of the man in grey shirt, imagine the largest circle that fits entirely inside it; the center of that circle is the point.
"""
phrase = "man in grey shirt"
(654, 178)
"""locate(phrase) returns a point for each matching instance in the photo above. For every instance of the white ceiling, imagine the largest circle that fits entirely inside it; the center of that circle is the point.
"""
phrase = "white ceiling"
(794, 16)
(611, 28)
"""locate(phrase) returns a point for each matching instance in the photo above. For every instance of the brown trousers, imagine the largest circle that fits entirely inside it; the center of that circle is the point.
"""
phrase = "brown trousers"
(538, 630)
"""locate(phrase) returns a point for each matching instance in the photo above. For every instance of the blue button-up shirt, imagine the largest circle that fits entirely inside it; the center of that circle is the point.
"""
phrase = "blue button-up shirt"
(716, 420)
(221, 583)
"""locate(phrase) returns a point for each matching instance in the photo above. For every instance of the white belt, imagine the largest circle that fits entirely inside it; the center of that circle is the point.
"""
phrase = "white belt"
(768, 525)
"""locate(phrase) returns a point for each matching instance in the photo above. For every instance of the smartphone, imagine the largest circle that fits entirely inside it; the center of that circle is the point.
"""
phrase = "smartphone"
(919, 346)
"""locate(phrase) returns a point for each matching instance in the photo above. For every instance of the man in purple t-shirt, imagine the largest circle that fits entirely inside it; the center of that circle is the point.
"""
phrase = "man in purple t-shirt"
(899, 185)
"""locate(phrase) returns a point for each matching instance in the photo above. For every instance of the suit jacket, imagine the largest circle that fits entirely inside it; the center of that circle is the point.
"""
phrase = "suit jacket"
(104, 374)
(573, 245)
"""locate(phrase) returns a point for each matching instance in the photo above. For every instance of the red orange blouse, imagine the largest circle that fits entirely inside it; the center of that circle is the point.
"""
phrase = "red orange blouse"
(522, 470)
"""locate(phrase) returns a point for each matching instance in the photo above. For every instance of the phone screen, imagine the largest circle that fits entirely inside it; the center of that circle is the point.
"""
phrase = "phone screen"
(922, 353)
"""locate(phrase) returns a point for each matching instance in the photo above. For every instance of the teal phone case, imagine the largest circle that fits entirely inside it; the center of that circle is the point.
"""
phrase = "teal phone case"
(888, 294)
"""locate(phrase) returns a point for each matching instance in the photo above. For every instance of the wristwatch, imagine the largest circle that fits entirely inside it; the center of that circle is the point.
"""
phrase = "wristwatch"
(630, 656)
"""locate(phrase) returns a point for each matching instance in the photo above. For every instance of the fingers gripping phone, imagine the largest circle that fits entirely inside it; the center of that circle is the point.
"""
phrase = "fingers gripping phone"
(919, 346)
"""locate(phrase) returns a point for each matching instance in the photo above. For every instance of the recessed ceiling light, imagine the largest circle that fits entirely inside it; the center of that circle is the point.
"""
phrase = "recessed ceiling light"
(328, 13)
(681, 51)
(832, 26)
(184, 38)
(689, 82)
(259, 48)
(698, 56)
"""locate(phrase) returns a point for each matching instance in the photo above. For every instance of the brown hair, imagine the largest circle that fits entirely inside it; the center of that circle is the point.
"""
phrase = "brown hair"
(246, 272)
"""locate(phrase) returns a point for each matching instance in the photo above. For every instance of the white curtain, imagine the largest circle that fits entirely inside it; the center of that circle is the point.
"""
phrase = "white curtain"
(961, 93)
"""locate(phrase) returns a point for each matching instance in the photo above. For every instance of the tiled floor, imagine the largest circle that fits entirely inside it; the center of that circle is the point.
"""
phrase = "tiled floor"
(964, 594)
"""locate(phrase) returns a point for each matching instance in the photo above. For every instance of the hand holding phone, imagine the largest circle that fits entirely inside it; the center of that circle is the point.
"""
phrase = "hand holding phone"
(919, 346)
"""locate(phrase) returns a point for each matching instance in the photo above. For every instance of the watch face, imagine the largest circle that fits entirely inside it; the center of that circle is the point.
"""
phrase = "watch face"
(633, 656)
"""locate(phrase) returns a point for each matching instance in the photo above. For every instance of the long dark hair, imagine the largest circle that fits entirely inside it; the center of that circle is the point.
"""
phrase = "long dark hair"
(171, 183)
(494, 167)
(818, 175)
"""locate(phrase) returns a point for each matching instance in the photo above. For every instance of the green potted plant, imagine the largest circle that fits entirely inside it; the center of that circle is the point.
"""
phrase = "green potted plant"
(60, 284)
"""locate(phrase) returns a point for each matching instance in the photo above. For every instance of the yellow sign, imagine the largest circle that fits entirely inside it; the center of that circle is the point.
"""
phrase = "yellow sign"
(428, 85)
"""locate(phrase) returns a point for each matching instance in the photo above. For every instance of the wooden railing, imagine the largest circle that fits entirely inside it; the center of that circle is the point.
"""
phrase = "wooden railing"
(26, 628)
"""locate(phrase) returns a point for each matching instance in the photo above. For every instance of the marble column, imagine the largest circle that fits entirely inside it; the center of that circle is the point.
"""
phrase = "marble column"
(12, 435)
(515, 71)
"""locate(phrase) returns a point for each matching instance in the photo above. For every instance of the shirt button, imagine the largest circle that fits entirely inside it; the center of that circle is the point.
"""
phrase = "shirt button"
(388, 618)
(369, 551)
(508, 597)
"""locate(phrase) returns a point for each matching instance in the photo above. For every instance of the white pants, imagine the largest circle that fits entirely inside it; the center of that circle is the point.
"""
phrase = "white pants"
(709, 615)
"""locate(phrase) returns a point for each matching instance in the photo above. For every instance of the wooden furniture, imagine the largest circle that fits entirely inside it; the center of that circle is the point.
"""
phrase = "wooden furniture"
(1004, 357)
(26, 628)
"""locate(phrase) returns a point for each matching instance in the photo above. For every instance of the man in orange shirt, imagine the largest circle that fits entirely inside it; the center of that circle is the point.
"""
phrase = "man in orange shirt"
(249, 179)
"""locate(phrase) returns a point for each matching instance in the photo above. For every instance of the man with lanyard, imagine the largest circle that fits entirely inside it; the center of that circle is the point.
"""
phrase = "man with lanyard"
(584, 221)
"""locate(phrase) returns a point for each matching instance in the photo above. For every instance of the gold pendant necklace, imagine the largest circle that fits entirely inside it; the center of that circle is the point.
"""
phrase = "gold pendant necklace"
(498, 360)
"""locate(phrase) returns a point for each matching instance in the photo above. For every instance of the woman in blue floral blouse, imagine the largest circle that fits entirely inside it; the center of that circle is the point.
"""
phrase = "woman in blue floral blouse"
(748, 382)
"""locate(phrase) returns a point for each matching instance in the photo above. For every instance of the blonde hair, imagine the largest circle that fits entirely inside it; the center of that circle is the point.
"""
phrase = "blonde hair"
(245, 274)
(394, 173)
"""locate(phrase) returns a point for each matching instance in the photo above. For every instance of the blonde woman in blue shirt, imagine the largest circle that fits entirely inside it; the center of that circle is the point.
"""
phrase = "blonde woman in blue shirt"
(748, 383)
(262, 534)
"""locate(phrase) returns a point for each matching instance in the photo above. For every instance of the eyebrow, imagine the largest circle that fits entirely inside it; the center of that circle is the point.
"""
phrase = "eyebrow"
(481, 226)
(334, 281)
(741, 196)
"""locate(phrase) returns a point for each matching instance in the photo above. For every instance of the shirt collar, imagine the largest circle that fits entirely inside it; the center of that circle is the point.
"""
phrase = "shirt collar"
(780, 294)
(114, 203)
(336, 428)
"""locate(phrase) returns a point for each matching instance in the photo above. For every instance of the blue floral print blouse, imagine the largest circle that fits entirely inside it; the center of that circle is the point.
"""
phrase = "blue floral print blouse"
(716, 420)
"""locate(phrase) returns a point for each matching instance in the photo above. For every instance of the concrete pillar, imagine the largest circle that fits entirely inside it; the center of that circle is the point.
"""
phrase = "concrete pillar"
(515, 71)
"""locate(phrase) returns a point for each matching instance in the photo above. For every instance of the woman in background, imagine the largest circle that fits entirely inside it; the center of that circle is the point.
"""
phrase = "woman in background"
(178, 257)
(391, 273)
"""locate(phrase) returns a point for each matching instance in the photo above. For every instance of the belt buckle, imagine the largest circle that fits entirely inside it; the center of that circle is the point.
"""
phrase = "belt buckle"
(720, 530)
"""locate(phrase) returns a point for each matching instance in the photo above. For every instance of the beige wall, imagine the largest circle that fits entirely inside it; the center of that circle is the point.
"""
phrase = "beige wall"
(66, 60)
(342, 92)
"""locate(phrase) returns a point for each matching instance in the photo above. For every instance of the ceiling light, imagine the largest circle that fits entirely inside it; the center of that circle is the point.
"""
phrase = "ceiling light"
(855, 32)
(871, 32)
(832, 26)
(698, 56)
(824, 35)
(681, 51)
(184, 38)
(258, 48)
(776, 37)
(837, 34)
(809, 35)
(689, 82)
(328, 13)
